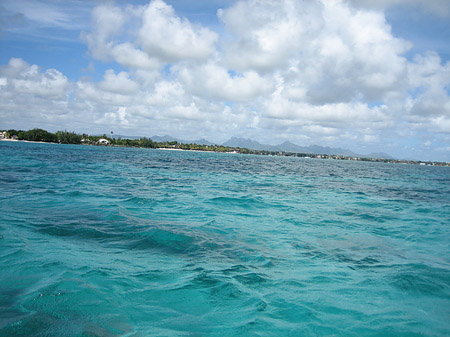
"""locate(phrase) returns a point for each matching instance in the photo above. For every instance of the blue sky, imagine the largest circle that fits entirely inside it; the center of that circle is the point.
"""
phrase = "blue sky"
(368, 76)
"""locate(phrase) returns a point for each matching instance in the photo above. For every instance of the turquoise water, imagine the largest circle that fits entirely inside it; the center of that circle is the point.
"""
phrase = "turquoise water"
(98, 241)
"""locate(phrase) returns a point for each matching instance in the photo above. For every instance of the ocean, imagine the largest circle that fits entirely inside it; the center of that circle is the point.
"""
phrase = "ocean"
(102, 241)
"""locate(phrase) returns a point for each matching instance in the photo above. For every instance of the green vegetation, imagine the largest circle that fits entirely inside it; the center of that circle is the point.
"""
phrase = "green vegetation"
(11, 133)
(36, 135)
(65, 137)
(40, 135)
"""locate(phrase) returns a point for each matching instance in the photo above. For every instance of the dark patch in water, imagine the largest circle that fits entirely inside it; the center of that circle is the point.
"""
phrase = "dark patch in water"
(422, 279)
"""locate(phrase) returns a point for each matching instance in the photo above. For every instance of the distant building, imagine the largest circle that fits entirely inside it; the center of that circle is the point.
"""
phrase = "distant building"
(2, 135)
(103, 141)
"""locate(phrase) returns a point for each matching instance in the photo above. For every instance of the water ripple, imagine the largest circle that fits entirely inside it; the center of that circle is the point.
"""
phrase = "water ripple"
(134, 242)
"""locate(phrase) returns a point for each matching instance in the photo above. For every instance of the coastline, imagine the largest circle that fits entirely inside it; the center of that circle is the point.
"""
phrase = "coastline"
(27, 141)
(264, 153)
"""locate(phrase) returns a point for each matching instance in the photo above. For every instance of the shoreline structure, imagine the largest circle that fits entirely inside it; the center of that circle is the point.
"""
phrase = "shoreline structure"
(175, 146)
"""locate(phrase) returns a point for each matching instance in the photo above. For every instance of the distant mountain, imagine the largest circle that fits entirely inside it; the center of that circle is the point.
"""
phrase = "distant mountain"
(245, 143)
(379, 155)
(331, 150)
(287, 147)
(291, 147)
(165, 138)
(201, 141)
(125, 137)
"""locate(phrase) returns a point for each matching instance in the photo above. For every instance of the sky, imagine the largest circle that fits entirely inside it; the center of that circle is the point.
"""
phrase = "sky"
(369, 76)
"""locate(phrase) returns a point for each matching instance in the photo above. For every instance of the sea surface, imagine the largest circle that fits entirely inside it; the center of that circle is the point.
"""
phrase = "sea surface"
(101, 241)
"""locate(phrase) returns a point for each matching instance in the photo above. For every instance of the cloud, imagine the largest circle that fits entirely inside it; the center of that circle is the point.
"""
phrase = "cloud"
(8, 19)
(93, 94)
(107, 22)
(41, 20)
(329, 51)
(44, 14)
(333, 115)
(268, 35)
(31, 97)
(169, 38)
(22, 78)
(129, 56)
(120, 83)
(437, 7)
(429, 80)
(165, 93)
(159, 36)
(315, 71)
(215, 82)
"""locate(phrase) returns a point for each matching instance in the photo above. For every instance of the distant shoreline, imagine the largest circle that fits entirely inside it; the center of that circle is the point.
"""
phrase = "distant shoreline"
(26, 141)
(263, 153)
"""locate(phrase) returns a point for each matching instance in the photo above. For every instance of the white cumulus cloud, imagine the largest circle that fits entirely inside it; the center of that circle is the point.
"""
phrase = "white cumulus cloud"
(25, 79)
(325, 71)
(169, 38)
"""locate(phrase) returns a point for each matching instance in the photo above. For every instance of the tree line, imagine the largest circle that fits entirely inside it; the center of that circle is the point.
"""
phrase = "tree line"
(66, 137)
(41, 135)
